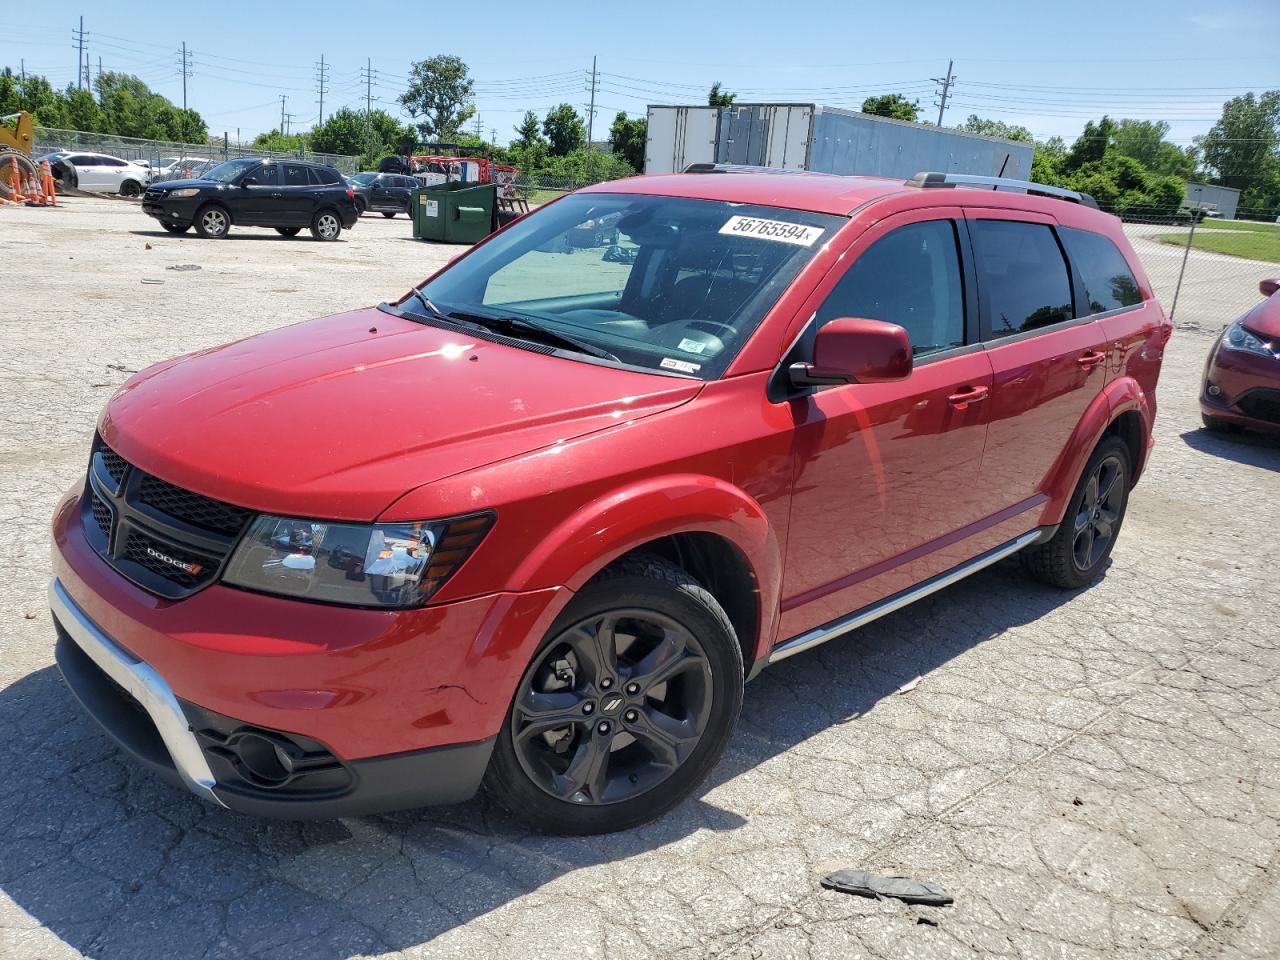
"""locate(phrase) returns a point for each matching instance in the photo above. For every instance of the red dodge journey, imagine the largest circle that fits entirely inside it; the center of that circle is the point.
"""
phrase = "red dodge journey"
(532, 526)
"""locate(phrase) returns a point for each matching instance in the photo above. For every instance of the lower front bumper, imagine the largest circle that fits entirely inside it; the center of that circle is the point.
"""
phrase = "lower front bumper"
(239, 766)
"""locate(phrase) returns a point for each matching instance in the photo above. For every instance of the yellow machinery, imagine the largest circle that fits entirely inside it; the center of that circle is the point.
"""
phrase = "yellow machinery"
(15, 146)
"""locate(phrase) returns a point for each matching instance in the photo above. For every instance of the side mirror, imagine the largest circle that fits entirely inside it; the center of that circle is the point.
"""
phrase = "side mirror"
(855, 350)
(1269, 287)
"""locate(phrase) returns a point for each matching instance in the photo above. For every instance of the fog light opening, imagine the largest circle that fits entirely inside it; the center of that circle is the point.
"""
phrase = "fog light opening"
(1214, 390)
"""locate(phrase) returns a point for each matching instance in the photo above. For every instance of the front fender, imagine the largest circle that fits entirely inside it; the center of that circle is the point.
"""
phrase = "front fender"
(608, 527)
(1118, 397)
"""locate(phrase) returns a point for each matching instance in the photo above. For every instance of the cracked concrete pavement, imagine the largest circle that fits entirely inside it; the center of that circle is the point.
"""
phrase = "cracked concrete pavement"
(1091, 774)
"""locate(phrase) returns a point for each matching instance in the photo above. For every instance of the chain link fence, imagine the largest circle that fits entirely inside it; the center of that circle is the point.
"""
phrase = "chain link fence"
(159, 154)
(1205, 271)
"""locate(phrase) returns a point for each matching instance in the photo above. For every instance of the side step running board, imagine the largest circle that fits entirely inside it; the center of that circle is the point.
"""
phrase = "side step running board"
(859, 618)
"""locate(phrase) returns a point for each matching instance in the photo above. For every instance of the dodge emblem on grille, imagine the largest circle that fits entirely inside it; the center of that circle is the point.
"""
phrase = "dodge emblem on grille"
(191, 568)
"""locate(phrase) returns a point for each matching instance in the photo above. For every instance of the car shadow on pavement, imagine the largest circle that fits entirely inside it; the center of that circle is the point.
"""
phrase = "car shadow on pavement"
(120, 865)
(237, 235)
(1252, 449)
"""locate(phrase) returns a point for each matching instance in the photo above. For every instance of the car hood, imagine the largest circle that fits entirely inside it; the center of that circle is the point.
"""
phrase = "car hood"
(337, 418)
(1265, 317)
(179, 184)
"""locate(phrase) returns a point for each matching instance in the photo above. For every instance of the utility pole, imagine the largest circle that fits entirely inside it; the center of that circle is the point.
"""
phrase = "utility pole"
(99, 80)
(946, 82)
(283, 98)
(479, 129)
(288, 123)
(368, 85)
(22, 96)
(185, 67)
(591, 118)
(78, 36)
(322, 80)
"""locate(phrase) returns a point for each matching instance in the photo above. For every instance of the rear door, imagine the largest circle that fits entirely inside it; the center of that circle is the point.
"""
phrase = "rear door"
(1048, 354)
(89, 175)
(297, 204)
(259, 200)
(887, 473)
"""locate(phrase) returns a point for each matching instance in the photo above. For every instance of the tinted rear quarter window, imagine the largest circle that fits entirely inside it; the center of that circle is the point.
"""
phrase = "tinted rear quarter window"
(327, 175)
(1108, 281)
(1022, 277)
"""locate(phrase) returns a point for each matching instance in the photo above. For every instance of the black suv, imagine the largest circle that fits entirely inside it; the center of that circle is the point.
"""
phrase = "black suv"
(384, 193)
(285, 194)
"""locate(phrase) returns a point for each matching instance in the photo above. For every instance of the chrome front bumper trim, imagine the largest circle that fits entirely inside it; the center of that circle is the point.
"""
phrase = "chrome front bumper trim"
(144, 685)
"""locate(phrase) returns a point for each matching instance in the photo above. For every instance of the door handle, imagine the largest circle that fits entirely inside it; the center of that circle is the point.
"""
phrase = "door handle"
(967, 395)
(277, 196)
(1091, 359)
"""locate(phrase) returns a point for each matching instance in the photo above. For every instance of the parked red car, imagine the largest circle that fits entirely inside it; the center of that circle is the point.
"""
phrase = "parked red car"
(534, 524)
(1241, 386)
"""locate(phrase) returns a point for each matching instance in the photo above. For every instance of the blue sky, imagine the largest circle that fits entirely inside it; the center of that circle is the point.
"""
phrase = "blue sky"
(1047, 66)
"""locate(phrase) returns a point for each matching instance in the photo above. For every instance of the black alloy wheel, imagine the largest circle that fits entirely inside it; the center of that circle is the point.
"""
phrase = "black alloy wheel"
(1078, 550)
(626, 706)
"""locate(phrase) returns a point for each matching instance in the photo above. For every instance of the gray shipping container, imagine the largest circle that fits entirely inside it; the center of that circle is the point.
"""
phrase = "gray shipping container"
(804, 136)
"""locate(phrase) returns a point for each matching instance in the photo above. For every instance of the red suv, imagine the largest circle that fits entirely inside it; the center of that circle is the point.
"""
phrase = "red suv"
(533, 525)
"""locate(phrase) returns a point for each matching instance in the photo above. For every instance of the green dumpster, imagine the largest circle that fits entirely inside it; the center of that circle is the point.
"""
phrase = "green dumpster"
(454, 212)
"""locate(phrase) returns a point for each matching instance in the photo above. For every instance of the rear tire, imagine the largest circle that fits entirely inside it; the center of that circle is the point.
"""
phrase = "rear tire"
(1079, 549)
(388, 214)
(581, 770)
(213, 222)
(326, 226)
(1220, 426)
(176, 227)
(288, 231)
(130, 188)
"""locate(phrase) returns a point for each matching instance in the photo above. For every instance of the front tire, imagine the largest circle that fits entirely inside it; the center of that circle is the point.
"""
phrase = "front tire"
(326, 226)
(1079, 550)
(627, 705)
(213, 222)
(388, 214)
(176, 227)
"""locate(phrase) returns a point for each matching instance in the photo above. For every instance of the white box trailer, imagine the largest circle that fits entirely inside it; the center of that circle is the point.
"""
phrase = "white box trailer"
(805, 136)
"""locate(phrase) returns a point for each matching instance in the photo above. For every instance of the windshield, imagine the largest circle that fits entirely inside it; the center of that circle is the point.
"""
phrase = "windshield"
(363, 178)
(665, 283)
(226, 172)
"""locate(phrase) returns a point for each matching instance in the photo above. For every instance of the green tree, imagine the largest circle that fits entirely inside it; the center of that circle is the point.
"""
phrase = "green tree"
(439, 92)
(627, 138)
(564, 129)
(131, 109)
(1243, 148)
(83, 112)
(354, 133)
(1144, 140)
(893, 105)
(1090, 146)
(278, 142)
(719, 97)
(995, 128)
(528, 130)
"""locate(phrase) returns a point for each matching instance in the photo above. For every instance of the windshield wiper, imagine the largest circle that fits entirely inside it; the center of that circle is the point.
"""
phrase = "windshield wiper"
(515, 325)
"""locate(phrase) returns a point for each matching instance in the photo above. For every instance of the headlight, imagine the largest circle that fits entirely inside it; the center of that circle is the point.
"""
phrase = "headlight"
(1238, 338)
(185, 192)
(383, 565)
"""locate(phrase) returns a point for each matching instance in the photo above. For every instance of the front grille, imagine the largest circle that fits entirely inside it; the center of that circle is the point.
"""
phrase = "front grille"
(193, 508)
(1261, 404)
(101, 513)
(153, 195)
(166, 561)
(164, 538)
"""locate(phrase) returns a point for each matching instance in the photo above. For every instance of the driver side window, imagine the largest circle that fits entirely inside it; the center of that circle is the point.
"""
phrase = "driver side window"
(264, 176)
(911, 277)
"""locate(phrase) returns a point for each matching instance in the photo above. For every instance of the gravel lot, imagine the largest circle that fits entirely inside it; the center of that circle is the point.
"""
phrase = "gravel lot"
(1091, 775)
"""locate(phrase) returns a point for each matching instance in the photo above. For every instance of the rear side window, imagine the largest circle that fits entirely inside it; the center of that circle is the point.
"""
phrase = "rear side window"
(910, 277)
(1108, 281)
(295, 175)
(1022, 277)
(326, 175)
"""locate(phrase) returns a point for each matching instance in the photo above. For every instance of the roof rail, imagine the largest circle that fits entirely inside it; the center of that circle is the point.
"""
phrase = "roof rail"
(746, 168)
(1004, 184)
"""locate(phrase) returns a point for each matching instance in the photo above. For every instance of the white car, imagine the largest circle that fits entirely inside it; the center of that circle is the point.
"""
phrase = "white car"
(169, 167)
(101, 172)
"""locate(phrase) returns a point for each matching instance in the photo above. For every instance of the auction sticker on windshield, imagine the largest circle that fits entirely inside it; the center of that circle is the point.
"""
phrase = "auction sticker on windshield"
(778, 230)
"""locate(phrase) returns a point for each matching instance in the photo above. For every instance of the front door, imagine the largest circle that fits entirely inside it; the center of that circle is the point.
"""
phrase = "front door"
(259, 199)
(887, 474)
(1049, 364)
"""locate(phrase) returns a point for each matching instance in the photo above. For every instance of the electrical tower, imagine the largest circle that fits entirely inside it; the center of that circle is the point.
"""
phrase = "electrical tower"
(81, 68)
(367, 73)
(322, 83)
(946, 82)
(184, 66)
(283, 98)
